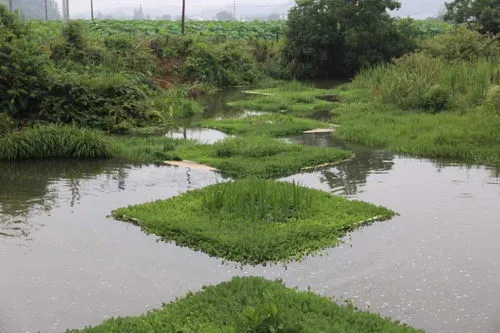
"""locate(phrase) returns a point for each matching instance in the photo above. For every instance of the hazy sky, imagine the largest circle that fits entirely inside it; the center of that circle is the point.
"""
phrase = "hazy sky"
(414, 8)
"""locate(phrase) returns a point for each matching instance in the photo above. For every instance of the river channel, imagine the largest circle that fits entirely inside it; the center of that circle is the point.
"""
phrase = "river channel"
(64, 264)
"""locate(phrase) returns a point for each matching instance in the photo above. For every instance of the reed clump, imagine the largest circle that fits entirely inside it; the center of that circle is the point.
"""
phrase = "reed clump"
(55, 141)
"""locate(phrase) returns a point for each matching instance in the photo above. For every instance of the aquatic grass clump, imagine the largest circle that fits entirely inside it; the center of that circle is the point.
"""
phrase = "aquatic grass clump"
(55, 141)
(273, 125)
(252, 304)
(265, 157)
(292, 98)
(258, 199)
(155, 149)
(253, 221)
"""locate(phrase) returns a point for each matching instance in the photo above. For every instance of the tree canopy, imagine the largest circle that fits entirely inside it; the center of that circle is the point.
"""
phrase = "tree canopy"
(328, 38)
(484, 12)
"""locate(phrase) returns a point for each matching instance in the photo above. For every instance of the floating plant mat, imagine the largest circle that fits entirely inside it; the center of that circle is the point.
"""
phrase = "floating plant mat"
(252, 304)
(272, 125)
(292, 98)
(261, 156)
(253, 221)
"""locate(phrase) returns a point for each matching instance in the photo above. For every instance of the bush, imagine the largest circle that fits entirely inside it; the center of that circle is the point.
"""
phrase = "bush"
(493, 98)
(7, 125)
(437, 98)
(462, 43)
(54, 141)
(113, 102)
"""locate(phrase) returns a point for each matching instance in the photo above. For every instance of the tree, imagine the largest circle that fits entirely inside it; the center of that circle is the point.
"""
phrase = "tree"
(332, 38)
(224, 16)
(274, 17)
(484, 12)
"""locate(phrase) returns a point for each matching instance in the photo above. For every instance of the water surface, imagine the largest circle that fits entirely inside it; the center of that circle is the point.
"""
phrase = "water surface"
(65, 265)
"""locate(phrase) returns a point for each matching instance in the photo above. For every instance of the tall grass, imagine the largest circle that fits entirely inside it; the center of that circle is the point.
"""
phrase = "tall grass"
(258, 200)
(419, 81)
(55, 141)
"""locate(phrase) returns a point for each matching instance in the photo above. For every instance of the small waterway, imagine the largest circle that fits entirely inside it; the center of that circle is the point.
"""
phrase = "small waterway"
(64, 264)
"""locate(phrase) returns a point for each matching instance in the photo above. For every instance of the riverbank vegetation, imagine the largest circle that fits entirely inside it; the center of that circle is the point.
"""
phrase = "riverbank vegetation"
(253, 221)
(252, 304)
(441, 102)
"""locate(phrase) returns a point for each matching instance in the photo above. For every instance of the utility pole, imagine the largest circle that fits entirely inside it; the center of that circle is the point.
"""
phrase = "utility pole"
(91, 9)
(183, 29)
(11, 5)
(234, 9)
(46, 11)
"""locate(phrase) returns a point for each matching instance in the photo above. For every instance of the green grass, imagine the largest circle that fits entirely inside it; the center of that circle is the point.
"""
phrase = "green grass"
(259, 156)
(291, 98)
(419, 81)
(253, 221)
(271, 125)
(55, 141)
(471, 136)
(154, 149)
(252, 304)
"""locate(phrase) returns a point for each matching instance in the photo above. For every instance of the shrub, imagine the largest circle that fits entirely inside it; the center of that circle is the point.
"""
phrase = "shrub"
(437, 98)
(462, 43)
(54, 141)
(113, 102)
(493, 98)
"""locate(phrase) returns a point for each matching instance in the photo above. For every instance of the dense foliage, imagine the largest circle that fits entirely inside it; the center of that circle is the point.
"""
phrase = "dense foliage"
(484, 12)
(328, 38)
(253, 305)
(253, 221)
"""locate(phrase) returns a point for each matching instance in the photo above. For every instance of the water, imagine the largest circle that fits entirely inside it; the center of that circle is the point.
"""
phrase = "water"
(65, 265)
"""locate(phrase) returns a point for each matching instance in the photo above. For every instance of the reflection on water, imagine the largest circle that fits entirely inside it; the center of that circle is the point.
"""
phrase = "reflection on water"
(435, 266)
(27, 188)
(202, 135)
(348, 178)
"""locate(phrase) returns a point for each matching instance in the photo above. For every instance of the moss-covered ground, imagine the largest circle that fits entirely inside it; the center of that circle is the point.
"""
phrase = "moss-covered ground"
(272, 125)
(252, 304)
(253, 221)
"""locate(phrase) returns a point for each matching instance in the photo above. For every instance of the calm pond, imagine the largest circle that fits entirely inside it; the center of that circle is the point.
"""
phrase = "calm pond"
(66, 265)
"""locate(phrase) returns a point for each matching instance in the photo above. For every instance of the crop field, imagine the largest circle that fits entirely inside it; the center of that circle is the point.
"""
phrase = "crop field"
(267, 30)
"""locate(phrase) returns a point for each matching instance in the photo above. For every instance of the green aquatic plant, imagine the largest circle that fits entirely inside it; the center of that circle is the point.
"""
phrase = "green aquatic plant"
(258, 199)
(253, 221)
(252, 304)
(259, 156)
(273, 125)
(55, 141)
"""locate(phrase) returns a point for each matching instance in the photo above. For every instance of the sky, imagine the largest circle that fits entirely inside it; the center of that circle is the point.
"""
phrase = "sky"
(413, 8)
